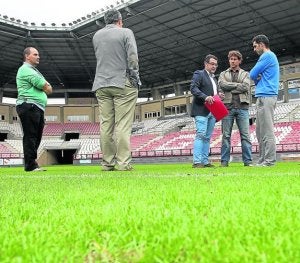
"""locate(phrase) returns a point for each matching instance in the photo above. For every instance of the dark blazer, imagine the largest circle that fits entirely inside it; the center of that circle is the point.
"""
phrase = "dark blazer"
(201, 87)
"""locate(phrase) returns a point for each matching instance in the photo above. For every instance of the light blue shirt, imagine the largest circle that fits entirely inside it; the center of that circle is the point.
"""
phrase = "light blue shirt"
(265, 75)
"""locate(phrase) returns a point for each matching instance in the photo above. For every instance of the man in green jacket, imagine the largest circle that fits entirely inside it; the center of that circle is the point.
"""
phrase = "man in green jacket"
(31, 102)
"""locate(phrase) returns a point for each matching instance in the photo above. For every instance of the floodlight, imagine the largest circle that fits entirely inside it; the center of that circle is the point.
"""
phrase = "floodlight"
(72, 34)
(129, 11)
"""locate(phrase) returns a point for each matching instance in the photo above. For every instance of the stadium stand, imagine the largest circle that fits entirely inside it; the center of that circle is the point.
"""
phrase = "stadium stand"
(57, 129)
(16, 145)
(4, 148)
(286, 133)
(154, 137)
(283, 110)
(14, 128)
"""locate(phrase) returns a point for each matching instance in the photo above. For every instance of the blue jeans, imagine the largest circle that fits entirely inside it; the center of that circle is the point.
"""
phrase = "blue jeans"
(204, 130)
(242, 120)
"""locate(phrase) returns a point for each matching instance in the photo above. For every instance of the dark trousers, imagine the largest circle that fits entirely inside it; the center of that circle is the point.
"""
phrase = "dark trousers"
(32, 120)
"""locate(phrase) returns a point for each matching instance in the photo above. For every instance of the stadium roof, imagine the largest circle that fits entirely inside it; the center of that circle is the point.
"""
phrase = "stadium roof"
(173, 37)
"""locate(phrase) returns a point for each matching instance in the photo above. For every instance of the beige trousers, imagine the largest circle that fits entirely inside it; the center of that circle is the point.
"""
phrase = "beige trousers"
(117, 108)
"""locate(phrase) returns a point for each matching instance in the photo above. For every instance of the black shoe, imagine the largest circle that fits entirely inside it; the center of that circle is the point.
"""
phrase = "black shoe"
(198, 165)
(201, 165)
(248, 164)
(209, 165)
(224, 164)
(36, 169)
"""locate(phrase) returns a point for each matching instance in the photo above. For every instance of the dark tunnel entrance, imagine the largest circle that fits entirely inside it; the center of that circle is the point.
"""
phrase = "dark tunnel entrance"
(61, 156)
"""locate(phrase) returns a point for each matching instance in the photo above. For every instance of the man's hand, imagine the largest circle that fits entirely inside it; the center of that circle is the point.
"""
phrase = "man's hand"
(209, 99)
(47, 88)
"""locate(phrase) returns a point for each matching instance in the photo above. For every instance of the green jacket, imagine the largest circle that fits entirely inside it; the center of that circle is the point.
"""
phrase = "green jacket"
(30, 83)
(241, 87)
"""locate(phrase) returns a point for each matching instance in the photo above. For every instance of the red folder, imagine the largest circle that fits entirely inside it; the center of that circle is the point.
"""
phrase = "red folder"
(218, 109)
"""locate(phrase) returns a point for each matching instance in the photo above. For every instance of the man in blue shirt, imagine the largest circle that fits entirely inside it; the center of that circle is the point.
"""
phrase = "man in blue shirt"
(265, 75)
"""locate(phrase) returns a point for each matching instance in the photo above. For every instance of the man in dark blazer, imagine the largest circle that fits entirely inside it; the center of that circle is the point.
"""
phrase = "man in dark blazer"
(203, 87)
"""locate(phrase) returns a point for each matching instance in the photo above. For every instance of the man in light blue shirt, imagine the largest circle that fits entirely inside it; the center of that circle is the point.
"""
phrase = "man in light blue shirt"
(265, 75)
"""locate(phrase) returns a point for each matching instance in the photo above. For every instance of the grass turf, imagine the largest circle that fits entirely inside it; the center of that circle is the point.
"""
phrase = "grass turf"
(156, 213)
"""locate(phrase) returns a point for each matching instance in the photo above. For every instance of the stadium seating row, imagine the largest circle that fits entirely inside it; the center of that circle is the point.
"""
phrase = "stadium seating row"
(286, 134)
(164, 134)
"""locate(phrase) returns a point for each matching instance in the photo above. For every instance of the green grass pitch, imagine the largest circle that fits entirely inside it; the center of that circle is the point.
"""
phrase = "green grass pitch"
(156, 213)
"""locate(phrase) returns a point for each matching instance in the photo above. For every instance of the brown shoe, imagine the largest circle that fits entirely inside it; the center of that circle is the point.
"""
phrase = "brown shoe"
(126, 168)
(108, 168)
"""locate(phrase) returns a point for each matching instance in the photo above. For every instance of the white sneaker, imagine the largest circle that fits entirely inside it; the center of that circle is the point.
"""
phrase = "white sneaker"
(39, 169)
(265, 164)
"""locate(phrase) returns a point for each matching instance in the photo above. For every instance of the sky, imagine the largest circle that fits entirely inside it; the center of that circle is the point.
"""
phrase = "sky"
(51, 11)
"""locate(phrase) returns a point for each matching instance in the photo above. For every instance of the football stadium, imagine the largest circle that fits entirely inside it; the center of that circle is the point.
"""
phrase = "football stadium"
(163, 210)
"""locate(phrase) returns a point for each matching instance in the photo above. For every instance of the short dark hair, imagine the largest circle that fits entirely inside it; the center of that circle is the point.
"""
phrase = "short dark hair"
(261, 39)
(112, 16)
(209, 56)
